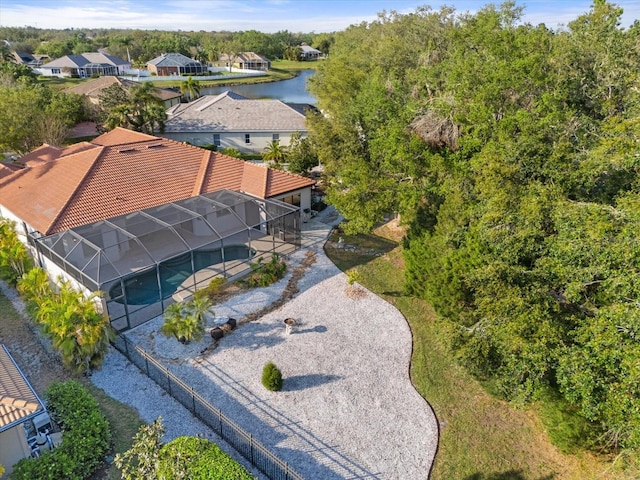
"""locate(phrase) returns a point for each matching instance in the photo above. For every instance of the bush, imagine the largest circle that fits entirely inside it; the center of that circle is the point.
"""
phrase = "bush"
(272, 377)
(198, 459)
(86, 437)
(264, 274)
(214, 289)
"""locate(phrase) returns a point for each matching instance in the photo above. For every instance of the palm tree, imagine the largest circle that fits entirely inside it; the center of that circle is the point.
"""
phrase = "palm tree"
(35, 287)
(185, 321)
(77, 330)
(274, 153)
(190, 88)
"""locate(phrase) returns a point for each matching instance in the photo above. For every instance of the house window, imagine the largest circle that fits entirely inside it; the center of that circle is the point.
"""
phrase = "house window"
(247, 138)
(216, 139)
(275, 137)
(55, 70)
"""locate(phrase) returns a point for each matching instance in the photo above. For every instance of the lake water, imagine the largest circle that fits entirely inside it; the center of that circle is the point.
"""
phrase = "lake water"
(291, 91)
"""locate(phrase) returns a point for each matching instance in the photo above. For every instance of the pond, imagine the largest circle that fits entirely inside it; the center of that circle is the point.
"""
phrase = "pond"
(290, 91)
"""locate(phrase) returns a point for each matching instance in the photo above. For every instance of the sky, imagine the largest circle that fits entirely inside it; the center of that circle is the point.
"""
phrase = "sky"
(266, 16)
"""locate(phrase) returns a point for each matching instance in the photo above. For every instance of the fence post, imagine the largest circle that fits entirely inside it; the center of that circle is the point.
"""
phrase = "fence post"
(166, 369)
(193, 401)
(251, 447)
(146, 363)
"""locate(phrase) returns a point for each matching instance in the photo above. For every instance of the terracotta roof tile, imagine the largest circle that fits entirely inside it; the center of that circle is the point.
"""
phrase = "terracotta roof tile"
(124, 171)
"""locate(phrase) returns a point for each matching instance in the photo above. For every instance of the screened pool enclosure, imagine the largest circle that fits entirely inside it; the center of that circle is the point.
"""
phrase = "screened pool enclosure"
(144, 261)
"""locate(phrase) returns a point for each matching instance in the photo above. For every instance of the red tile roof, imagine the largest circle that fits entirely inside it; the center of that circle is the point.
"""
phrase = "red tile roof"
(122, 172)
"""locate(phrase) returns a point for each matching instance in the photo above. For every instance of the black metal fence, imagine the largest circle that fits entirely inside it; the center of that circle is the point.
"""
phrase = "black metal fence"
(241, 441)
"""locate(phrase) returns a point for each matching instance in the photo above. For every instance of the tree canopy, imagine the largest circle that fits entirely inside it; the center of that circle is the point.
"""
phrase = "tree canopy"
(512, 153)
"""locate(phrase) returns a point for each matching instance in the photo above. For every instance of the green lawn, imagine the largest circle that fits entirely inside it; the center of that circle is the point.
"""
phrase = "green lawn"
(482, 438)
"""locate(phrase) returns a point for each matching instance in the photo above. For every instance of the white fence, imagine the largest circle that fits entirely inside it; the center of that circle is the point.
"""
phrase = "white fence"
(145, 75)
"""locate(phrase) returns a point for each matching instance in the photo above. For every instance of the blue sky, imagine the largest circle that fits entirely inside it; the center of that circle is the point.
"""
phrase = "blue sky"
(263, 15)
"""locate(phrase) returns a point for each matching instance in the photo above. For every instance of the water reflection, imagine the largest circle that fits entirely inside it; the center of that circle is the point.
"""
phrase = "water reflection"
(290, 91)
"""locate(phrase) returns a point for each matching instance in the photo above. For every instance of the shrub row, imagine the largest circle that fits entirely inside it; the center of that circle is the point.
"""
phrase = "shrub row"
(86, 437)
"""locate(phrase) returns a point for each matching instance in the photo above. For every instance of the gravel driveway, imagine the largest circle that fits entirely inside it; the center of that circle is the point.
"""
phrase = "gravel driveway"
(347, 408)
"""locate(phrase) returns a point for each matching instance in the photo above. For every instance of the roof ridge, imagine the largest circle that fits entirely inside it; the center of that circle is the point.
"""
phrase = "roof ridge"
(207, 158)
(73, 195)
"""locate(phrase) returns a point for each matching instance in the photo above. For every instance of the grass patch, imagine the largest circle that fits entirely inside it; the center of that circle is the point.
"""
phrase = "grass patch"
(481, 437)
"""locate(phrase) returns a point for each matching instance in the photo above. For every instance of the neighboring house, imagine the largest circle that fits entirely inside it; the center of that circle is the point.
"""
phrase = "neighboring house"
(30, 60)
(144, 219)
(244, 61)
(310, 53)
(229, 120)
(85, 65)
(169, 64)
(19, 407)
(94, 87)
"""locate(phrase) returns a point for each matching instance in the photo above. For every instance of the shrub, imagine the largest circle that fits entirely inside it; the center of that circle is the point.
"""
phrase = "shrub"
(214, 289)
(264, 274)
(198, 459)
(86, 437)
(185, 321)
(272, 377)
(15, 259)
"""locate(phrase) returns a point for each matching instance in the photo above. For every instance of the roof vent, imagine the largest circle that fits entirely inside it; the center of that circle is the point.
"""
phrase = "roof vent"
(155, 145)
(127, 150)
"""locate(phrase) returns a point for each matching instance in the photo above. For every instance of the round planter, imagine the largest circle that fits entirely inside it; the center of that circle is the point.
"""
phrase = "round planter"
(217, 333)
(289, 323)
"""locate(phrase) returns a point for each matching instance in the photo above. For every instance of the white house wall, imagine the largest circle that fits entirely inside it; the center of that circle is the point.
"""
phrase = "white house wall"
(259, 140)
(13, 447)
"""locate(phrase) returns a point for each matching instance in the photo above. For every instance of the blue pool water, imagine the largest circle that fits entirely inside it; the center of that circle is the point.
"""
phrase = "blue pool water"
(142, 289)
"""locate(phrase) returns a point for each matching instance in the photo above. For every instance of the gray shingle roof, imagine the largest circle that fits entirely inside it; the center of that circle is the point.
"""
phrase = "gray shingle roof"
(230, 112)
(75, 61)
(172, 60)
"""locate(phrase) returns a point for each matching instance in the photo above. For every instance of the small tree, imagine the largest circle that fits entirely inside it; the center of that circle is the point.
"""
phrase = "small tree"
(272, 377)
(185, 320)
(142, 459)
(190, 88)
(274, 152)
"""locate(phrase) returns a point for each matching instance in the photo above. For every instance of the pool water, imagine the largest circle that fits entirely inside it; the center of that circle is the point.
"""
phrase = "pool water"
(142, 288)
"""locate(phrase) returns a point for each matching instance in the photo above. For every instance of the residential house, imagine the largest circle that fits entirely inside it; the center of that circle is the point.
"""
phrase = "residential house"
(170, 64)
(229, 120)
(310, 53)
(84, 66)
(244, 61)
(94, 87)
(147, 220)
(19, 407)
(30, 60)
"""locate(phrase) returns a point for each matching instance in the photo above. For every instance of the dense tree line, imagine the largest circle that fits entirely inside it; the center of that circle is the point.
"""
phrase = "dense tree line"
(143, 45)
(512, 153)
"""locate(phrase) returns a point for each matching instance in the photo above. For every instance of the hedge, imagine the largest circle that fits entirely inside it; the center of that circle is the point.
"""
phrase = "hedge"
(86, 437)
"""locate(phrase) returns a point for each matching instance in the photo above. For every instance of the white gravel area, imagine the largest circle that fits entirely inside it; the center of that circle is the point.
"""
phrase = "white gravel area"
(347, 408)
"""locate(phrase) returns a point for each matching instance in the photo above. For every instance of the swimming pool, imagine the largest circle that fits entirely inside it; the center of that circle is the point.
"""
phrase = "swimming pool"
(142, 288)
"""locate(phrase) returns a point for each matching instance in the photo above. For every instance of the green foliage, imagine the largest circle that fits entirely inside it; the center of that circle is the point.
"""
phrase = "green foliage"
(275, 153)
(77, 330)
(32, 114)
(567, 430)
(85, 441)
(271, 377)
(518, 184)
(185, 320)
(190, 88)
(264, 274)
(198, 459)
(143, 458)
(15, 259)
(136, 109)
(213, 290)
(232, 152)
(301, 155)
(354, 276)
